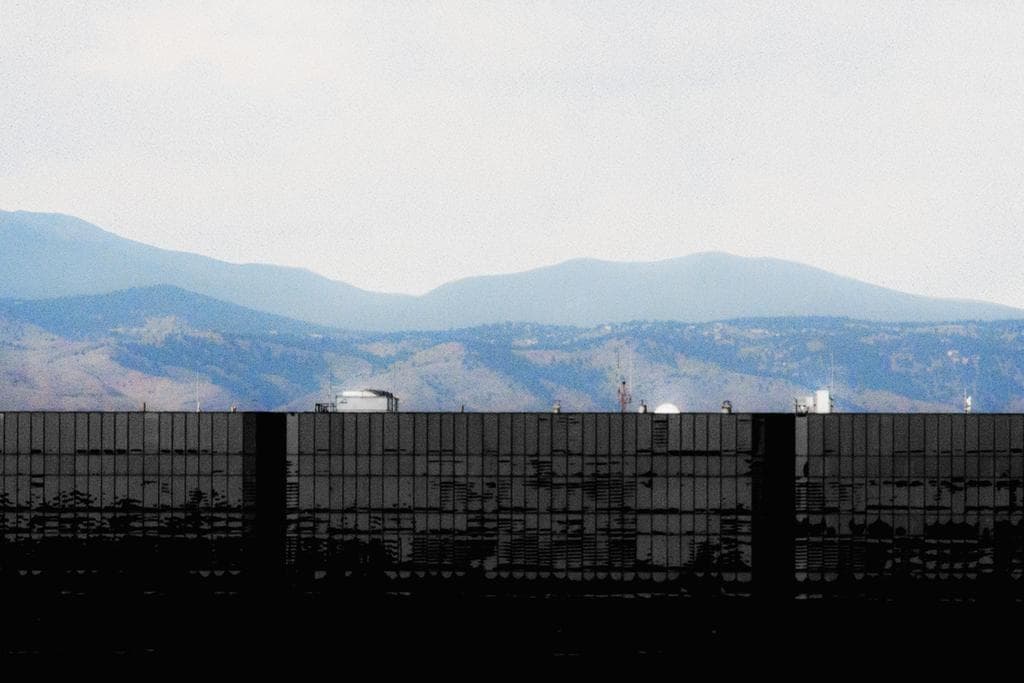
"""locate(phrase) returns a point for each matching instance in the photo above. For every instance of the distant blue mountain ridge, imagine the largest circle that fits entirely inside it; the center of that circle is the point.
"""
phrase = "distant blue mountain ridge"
(89, 316)
(155, 344)
(54, 255)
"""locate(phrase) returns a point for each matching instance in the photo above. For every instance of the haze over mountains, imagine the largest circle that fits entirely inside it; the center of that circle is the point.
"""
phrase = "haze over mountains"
(91, 321)
(52, 255)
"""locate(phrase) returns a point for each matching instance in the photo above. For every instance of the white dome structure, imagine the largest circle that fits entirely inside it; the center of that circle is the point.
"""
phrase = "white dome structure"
(669, 408)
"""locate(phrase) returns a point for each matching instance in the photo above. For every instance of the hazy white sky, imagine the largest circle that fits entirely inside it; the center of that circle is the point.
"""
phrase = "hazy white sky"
(396, 146)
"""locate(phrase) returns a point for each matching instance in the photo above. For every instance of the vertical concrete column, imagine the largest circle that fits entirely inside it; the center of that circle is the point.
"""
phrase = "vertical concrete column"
(775, 438)
(270, 449)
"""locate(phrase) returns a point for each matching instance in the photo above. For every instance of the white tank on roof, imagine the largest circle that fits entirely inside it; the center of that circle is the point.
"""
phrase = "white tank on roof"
(819, 402)
(361, 401)
(363, 393)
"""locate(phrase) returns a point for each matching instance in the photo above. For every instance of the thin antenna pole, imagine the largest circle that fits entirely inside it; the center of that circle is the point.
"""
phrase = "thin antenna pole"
(631, 368)
(622, 390)
(831, 372)
(197, 392)
(974, 384)
(619, 379)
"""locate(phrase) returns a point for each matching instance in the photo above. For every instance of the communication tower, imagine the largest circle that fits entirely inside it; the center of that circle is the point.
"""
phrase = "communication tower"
(625, 398)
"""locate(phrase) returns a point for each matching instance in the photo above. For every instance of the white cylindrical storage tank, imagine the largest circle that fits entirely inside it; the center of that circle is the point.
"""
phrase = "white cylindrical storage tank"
(822, 401)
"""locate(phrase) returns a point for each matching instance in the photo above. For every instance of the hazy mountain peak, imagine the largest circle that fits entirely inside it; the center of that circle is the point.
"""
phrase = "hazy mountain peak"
(53, 225)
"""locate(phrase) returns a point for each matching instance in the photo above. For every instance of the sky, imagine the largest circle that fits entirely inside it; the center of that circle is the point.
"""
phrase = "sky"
(396, 146)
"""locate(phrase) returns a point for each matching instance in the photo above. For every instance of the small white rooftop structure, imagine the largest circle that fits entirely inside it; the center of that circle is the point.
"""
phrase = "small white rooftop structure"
(361, 401)
(363, 393)
(819, 402)
(667, 408)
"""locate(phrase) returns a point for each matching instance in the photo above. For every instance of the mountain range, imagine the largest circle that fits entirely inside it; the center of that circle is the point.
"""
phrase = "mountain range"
(91, 321)
(169, 348)
(52, 255)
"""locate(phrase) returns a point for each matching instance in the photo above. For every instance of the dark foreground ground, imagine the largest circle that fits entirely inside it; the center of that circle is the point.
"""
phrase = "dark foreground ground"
(397, 629)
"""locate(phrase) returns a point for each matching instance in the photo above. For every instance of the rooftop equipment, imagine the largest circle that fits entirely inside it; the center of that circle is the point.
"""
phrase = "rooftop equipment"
(361, 401)
(819, 402)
